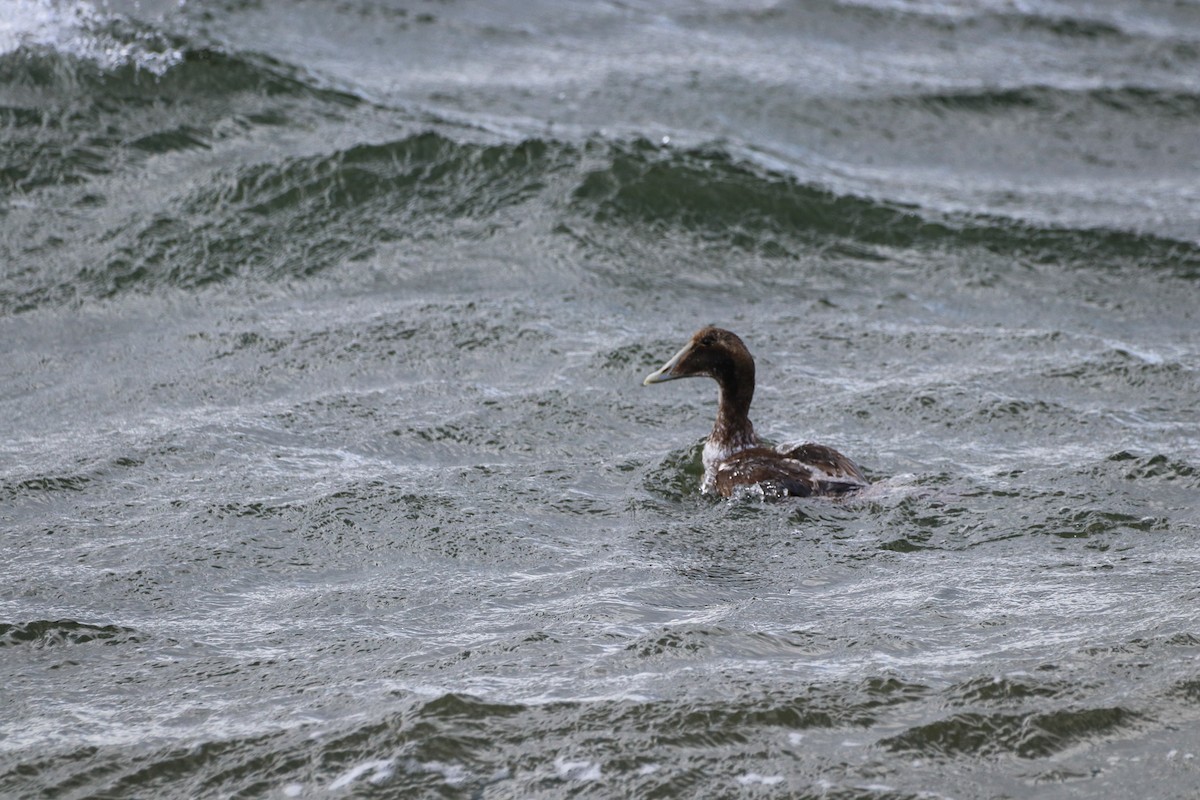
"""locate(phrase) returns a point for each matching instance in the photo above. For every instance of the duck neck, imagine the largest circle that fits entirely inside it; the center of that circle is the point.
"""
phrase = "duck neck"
(733, 430)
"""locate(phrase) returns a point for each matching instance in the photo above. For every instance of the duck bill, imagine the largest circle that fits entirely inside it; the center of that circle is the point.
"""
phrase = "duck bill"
(667, 371)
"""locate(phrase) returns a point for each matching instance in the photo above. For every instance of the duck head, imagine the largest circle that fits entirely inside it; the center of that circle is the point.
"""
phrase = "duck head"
(710, 353)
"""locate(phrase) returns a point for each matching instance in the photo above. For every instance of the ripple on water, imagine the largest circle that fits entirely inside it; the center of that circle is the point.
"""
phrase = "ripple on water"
(1029, 735)
(62, 632)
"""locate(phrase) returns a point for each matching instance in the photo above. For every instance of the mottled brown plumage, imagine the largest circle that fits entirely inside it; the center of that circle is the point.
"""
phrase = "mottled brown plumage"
(733, 455)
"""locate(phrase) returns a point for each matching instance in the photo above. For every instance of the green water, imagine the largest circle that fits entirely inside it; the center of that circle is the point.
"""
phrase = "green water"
(326, 468)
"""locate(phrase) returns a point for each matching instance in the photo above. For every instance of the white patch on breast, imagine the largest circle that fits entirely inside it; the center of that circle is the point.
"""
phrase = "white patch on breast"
(714, 454)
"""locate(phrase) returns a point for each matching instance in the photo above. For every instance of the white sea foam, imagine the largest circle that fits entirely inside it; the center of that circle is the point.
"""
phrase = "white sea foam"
(452, 774)
(78, 28)
(752, 778)
(379, 771)
(576, 770)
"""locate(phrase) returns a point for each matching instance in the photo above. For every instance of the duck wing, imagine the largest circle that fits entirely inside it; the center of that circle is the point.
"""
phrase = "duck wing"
(777, 475)
(831, 471)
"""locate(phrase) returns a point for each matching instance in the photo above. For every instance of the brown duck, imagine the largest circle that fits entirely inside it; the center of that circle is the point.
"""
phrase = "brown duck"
(733, 454)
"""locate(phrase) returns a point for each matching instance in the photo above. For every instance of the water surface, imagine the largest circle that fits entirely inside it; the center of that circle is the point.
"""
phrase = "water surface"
(326, 469)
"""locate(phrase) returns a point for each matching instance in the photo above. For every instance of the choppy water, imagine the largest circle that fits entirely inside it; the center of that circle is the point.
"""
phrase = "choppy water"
(326, 470)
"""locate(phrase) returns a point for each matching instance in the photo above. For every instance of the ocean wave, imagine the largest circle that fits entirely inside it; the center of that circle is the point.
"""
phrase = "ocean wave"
(735, 201)
(1029, 735)
(1055, 20)
(1139, 101)
(55, 633)
(87, 94)
(299, 216)
(187, 72)
(83, 31)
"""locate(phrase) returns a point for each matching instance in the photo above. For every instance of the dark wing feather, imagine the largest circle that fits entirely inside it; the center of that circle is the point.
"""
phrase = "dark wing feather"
(800, 471)
(824, 459)
(778, 476)
(832, 471)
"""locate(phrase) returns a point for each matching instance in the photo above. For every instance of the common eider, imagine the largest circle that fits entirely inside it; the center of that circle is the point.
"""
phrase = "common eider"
(733, 454)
